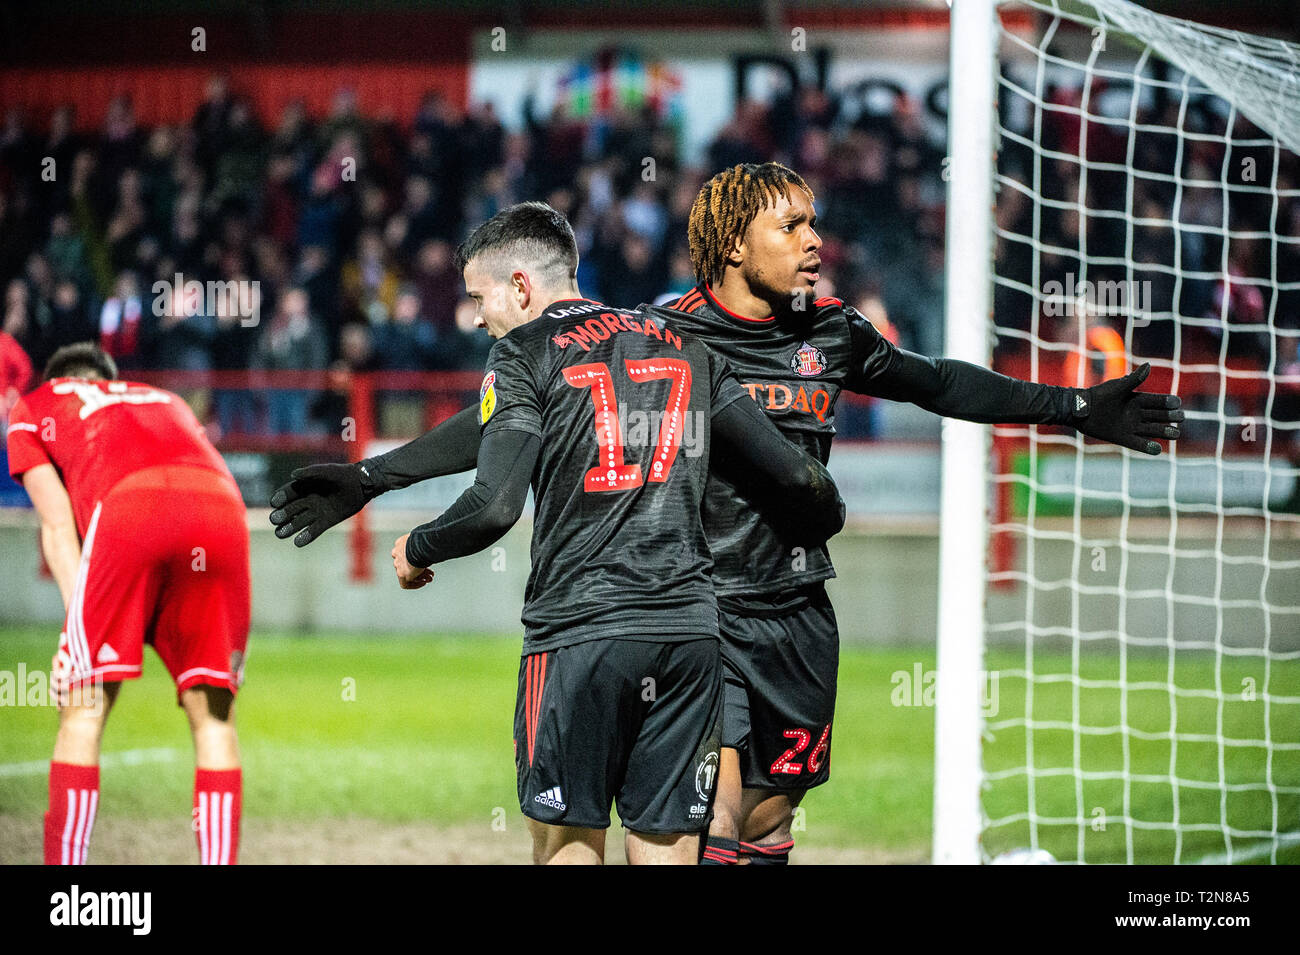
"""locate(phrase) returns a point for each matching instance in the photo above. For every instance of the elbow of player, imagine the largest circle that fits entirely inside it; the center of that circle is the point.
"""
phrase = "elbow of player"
(841, 514)
(59, 531)
(501, 515)
(830, 520)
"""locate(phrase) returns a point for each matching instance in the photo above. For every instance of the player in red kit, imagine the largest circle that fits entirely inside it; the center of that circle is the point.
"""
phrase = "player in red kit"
(109, 466)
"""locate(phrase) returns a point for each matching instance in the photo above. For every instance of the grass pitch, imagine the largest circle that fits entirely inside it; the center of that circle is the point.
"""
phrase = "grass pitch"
(384, 749)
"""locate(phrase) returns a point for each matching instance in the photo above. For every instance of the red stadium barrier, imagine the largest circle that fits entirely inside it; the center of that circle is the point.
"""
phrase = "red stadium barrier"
(361, 397)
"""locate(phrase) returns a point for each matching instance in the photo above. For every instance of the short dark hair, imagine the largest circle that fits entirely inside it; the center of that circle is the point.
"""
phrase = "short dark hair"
(76, 360)
(530, 233)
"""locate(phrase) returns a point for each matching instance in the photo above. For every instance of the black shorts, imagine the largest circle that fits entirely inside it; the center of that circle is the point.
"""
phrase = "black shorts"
(780, 672)
(632, 722)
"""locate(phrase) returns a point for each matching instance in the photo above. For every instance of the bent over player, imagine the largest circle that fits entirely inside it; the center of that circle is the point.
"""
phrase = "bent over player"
(609, 417)
(106, 463)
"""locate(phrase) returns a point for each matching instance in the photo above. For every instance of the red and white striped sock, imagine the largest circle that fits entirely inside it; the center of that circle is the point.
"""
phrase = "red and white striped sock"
(218, 794)
(74, 797)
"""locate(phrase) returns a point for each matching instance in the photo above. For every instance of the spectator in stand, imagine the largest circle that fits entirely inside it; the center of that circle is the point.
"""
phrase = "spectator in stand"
(316, 276)
(369, 277)
(356, 356)
(292, 341)
(872, 307)
(295, 138)
(635, 275)
(179, 330)
(439, 285)
(65, 250)
(127, 223)
(159, 185)
(423, 215)
(120, 322)
(122, 142)
(71, 314)
(18, 320)
(18, 233)
(681, 275)
(322, 211)
(240, 166)
(210, 120)
(406, 341)
(238, 316)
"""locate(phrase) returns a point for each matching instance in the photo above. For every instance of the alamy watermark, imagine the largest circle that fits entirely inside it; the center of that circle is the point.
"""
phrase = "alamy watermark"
(240, 299)
(918, 687)
(23, 687)
(641, 429)
(1072, 297)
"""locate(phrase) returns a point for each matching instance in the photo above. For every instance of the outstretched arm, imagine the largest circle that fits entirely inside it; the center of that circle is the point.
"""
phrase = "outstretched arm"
(482, 515)
(1112, 411)
(794, 482)
(319, 496)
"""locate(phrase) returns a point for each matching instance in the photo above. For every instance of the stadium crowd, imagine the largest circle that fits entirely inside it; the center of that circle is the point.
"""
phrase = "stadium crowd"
(347, 224)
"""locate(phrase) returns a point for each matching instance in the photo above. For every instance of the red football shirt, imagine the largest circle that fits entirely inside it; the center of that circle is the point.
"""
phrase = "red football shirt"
(97, 432)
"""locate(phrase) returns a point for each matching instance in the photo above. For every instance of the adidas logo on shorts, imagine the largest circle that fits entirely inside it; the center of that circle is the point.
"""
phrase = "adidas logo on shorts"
(551, 798)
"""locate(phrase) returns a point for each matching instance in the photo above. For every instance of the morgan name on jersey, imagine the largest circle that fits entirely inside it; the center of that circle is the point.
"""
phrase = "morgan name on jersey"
(601, 323)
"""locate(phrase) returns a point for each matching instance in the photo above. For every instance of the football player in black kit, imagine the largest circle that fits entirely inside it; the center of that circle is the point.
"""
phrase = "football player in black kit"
(755, 254)
(620, 685)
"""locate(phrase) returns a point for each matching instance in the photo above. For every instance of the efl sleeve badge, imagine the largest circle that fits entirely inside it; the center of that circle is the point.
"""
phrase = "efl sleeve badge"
(487, 397)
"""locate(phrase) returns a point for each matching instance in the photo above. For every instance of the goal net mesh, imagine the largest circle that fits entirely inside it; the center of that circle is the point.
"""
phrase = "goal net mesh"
(1143, 617)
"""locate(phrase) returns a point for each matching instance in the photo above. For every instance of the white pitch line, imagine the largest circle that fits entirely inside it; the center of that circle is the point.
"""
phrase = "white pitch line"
(129, 757)
(1284, 840)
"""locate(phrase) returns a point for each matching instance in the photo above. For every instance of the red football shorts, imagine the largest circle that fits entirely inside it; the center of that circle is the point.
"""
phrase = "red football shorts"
(164, 561)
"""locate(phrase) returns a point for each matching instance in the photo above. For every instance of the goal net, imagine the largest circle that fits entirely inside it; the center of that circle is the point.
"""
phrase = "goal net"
(1139, 696)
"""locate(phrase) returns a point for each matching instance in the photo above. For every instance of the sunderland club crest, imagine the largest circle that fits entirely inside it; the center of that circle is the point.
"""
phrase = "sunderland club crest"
(808, 361)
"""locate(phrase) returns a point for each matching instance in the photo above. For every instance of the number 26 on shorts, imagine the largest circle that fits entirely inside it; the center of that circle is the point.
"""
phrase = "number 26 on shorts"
(785, 765)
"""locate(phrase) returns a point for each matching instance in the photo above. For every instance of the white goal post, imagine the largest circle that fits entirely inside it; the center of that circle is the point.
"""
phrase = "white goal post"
(1124, 187)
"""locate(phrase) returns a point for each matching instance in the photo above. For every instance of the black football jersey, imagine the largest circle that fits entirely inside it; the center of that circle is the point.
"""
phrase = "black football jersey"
(795, 368)
(622, 406)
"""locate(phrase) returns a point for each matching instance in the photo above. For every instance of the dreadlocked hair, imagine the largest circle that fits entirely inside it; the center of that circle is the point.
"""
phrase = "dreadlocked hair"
(725, 207)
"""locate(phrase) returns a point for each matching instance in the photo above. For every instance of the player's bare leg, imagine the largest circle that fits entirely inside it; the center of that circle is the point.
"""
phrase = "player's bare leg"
(211, 712)
(674, 848)
(218, 780)
(74, 772)
(727, 796)
(82, 721)
(566, 845)
(765, 834)
(722, 845)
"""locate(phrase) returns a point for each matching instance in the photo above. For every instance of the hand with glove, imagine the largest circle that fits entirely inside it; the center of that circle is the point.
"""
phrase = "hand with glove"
(319, 496)
(1112, 411)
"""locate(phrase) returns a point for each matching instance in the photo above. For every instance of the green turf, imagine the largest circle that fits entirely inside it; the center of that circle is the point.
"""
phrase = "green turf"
(428, 737)
(1218, 756)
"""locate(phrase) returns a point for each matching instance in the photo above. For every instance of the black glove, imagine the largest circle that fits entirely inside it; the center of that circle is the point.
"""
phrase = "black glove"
(319, 496)
(1114, 412)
